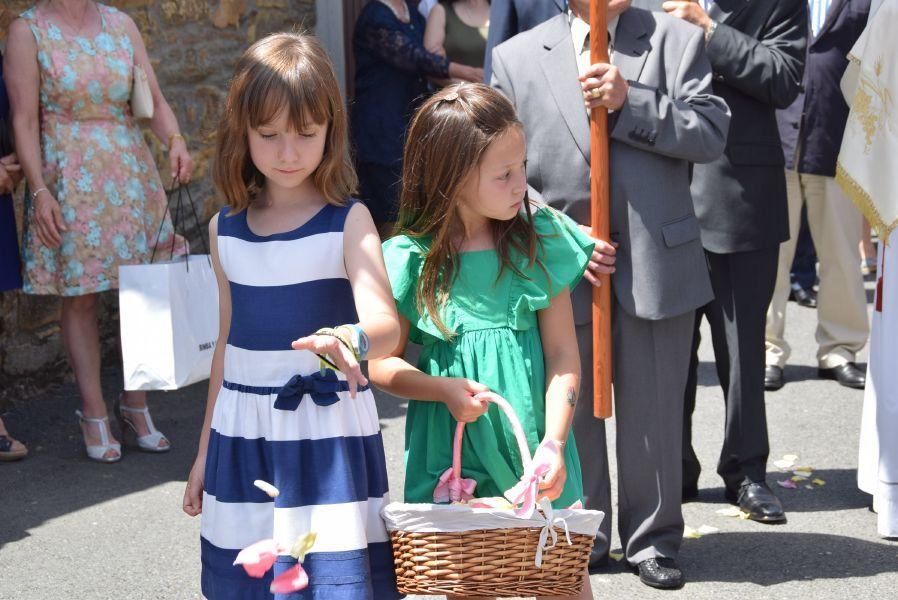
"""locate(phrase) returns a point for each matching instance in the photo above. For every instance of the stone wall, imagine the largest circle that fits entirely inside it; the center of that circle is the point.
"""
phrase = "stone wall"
(193, 45)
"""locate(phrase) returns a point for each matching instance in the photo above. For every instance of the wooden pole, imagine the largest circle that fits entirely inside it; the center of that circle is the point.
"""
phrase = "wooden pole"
(599, 213)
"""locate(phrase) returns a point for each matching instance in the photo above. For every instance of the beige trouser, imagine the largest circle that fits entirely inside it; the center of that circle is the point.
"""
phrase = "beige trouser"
(835, 223)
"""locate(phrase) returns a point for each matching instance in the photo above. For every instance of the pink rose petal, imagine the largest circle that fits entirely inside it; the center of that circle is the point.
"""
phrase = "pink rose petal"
(291, 580)
(258, 558)
(788, 483)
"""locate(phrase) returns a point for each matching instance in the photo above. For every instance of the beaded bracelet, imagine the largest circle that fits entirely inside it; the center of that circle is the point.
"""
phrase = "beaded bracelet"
(326, 363)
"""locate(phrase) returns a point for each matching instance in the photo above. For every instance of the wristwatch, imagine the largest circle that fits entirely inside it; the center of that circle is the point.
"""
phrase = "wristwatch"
(359, 339)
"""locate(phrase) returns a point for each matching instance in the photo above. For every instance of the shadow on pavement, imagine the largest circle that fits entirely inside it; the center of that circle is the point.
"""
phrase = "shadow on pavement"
(839, 492)
(57, 478)
(793, 557)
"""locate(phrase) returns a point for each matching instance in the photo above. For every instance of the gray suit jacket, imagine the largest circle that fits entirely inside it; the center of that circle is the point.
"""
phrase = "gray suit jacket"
(670, 120)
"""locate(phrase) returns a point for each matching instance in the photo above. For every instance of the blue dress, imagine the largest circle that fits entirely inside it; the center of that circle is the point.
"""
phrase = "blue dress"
(391, 73)
(10, 265)
(279, 419)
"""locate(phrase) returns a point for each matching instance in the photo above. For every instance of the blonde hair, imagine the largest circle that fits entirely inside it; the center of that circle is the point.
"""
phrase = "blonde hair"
(282, 71)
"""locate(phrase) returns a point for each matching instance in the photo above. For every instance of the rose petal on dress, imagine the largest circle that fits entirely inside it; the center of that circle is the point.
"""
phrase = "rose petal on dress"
(266, 487)
(291, 580)
(303, 545)
(258, 558)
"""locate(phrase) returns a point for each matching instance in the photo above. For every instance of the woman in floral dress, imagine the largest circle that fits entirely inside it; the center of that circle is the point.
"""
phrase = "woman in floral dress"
(96, 199)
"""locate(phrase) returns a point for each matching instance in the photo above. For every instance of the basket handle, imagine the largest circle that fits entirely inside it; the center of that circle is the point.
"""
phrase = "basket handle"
(516, 428)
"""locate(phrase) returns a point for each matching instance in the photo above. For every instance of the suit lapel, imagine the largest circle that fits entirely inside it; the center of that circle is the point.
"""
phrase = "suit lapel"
(631, 45)
(831, 16)
(724, 10)
(559, 65)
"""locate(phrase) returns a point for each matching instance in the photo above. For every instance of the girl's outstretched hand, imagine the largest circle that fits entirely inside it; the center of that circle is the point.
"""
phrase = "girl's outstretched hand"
(338, 354)
(193, 493)
(553, 483)
(458, 395)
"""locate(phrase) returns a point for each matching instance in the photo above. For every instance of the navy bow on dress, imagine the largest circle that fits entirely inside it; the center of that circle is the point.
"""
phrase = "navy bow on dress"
(323, 387)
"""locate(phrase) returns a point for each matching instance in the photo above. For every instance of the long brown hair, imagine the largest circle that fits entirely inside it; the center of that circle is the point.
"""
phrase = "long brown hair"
(446, 140)
(282, 71)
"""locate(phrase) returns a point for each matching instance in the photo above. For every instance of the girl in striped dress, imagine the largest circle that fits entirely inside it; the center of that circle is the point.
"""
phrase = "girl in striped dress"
(295, 261)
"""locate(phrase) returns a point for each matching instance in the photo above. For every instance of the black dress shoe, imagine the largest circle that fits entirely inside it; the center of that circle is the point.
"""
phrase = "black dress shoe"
(773, 378)
(761, 504)
(662, 573)
(848, 375)
(803, 297)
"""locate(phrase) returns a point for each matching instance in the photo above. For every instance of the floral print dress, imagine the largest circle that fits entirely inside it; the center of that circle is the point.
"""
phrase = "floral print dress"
(95, 162)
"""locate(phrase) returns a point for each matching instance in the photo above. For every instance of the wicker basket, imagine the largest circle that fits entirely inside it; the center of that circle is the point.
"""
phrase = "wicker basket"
(456, 550)
(491, 562)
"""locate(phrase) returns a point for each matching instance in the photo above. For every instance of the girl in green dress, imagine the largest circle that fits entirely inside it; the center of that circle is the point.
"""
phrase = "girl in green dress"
(481, 278)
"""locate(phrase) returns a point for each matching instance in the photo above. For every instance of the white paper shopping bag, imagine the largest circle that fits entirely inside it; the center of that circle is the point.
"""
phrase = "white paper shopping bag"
(169, 322)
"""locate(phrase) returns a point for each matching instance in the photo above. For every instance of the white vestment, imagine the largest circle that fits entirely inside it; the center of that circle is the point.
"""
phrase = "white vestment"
(868, 174)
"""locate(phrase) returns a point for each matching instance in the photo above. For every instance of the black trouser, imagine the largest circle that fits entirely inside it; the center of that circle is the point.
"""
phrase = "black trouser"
(743, 285)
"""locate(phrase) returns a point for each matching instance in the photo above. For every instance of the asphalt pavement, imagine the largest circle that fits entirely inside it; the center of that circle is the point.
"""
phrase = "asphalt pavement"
(71, 528)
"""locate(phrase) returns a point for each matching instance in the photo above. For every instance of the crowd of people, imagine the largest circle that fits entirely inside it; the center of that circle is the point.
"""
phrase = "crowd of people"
(467, 146)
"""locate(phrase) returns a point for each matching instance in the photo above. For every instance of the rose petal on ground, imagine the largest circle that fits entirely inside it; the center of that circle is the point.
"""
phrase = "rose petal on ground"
(818, 482)
(616, 556)
(707, 529)
(788, 484)
(690, 533)
(732, 511)
(784, 465)
(267, 488)
(291, 580)
(792, 457)
(804, 471)
(799, 478)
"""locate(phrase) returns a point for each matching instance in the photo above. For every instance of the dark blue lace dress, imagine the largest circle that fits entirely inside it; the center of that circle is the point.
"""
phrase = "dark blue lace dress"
(392, 68)
(10, 269)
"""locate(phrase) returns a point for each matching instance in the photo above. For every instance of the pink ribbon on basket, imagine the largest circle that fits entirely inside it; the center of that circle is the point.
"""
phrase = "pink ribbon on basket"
(524, 495)
(452, 488)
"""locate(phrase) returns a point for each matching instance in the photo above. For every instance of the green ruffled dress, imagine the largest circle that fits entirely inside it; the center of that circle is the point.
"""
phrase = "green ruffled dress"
(497, 344)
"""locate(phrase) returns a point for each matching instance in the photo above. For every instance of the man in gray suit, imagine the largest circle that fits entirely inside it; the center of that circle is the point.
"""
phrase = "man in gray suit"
(664, 118)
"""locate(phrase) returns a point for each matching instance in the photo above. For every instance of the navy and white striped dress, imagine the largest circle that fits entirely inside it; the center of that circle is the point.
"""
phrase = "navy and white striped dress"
(278, 419)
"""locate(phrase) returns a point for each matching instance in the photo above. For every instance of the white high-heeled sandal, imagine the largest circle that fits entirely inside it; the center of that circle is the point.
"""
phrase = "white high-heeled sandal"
(149, 442)
(98, 452)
